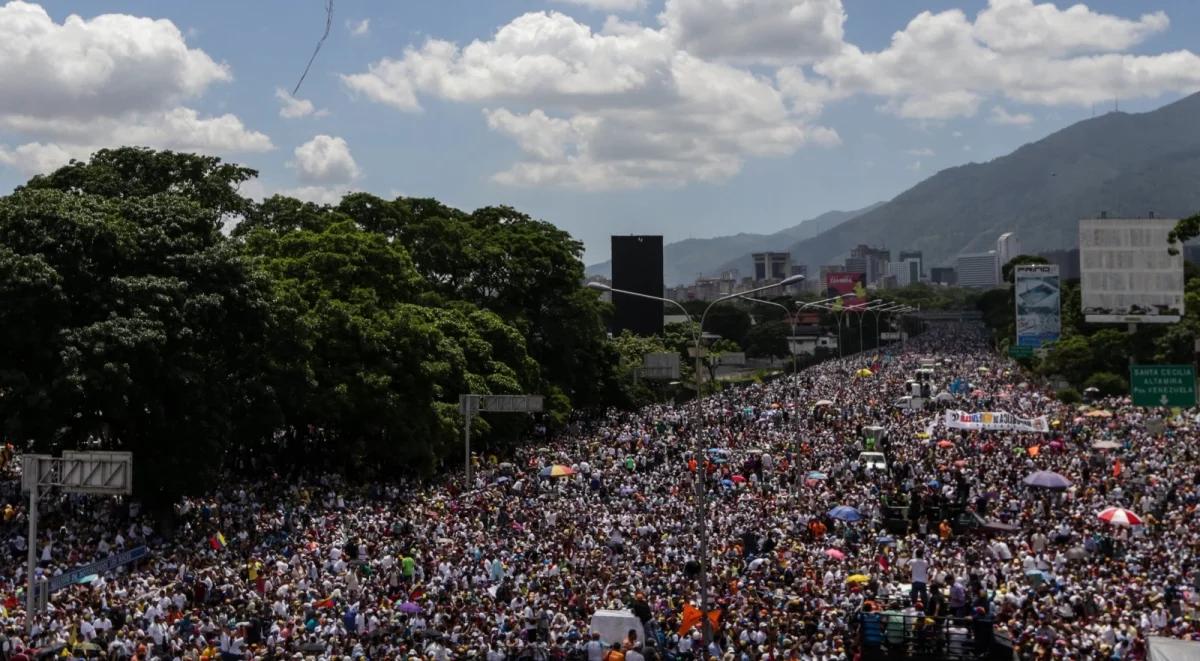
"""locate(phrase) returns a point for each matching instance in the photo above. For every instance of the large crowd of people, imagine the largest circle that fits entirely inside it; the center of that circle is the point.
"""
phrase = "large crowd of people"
(943, 548)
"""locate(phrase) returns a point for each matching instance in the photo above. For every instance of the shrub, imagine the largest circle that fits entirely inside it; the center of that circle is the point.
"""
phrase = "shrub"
(1069, 396)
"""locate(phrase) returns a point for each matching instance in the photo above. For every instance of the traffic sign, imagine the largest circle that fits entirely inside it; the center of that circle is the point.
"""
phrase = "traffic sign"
(1016, 351)
(99, 567)
(1163, 385)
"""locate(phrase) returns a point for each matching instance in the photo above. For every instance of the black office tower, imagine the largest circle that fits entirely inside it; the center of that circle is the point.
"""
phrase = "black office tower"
(637, 265)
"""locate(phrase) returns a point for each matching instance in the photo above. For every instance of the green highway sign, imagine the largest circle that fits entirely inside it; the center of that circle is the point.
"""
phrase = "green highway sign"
(1015, 351)
(1163, 385)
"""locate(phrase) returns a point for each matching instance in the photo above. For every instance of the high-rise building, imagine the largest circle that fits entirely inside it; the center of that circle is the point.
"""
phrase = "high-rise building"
(914, 254)
(1007, 247)
(977, 270)
(772, 265)
(907, 271)
(637, 266)
(872, 262)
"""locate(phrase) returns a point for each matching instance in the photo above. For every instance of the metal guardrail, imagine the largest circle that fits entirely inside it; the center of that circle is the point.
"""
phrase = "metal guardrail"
(907, 636)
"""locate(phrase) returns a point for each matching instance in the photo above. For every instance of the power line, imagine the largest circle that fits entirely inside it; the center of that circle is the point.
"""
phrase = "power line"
(328, 25)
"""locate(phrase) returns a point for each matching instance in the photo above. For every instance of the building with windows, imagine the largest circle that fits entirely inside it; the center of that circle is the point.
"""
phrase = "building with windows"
(907, 271)
(871, 262)
(772, 265)
(1007, 247)
(978, 270)
(917, 255)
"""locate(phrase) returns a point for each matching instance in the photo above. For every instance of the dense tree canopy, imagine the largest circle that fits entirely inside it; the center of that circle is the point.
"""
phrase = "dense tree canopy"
(131, 322)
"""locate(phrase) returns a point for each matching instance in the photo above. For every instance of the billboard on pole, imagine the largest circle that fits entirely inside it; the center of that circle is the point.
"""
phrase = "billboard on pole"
(1038, 297)
(1127, 274)
(837, 284)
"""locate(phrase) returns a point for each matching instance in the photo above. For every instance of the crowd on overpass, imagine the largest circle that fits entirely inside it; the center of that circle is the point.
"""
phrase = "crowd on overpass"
(814, 552)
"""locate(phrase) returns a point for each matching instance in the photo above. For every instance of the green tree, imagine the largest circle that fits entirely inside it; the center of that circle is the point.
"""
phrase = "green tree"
(131, 172)
(1107, 383)
(768, 339)
(134, 325)
(376, 379)
(1008, 270)
(1185, 230)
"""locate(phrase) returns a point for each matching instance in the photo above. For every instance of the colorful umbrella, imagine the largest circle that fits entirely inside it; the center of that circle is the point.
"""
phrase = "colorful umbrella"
(845, 513)
(945, 443)
(836, 554)
(864, 372)
(816, 475)
(739, 478)
(1047, 480)
(409, 607)
(858, 578)
(1099, 413)
(557, 470)
(823, 402)
(1119, 516)
(1106, 445)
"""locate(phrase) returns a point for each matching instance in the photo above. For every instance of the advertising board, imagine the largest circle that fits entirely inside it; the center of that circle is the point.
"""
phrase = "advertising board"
(1038, 299)
(1127, 274)
(837, 284)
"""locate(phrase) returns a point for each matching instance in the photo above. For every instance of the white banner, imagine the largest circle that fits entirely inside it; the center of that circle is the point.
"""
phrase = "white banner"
(994, 421)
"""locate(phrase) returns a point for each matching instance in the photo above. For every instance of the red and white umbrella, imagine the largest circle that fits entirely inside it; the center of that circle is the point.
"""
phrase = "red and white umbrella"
(1119, 516)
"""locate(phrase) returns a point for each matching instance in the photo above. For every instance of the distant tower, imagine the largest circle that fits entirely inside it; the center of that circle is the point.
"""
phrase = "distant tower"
(1007, 247)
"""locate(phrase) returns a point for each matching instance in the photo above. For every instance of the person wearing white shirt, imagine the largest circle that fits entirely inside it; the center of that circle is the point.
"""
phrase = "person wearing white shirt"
(594, 648)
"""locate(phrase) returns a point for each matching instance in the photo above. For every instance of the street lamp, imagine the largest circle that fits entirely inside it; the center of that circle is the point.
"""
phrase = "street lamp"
(894, 307)
(702, 487)
(837, 313)
(862, 310)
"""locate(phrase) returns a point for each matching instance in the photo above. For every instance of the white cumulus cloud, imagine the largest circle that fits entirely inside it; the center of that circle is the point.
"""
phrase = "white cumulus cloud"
(1001, 116)
(324, 160)
(73, 87)
(944, 65)
(771, 31)
(359, 28)
(710, 84)
(291, 107)
(618, 108)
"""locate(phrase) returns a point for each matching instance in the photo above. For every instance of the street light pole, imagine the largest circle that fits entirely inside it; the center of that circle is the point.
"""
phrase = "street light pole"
(879, 311)
(701, 486)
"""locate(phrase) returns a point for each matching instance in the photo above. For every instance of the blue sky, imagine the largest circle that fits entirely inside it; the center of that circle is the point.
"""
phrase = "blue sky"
(684, 120)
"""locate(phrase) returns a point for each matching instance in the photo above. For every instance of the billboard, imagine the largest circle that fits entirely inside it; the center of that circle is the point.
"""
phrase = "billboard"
(1038, 298)
(1127, 274)
(837, 284)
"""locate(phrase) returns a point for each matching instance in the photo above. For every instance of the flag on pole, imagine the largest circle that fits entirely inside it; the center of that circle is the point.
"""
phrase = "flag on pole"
(217, 542)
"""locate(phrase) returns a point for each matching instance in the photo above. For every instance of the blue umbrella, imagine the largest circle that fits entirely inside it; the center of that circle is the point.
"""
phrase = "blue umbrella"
(845, 513)
(727, 483)
(1047, 480)
(816, 475)
(933, 484)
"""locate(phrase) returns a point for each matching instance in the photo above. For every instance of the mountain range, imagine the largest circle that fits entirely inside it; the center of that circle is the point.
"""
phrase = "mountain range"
(684, 260)
(1128, 165)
